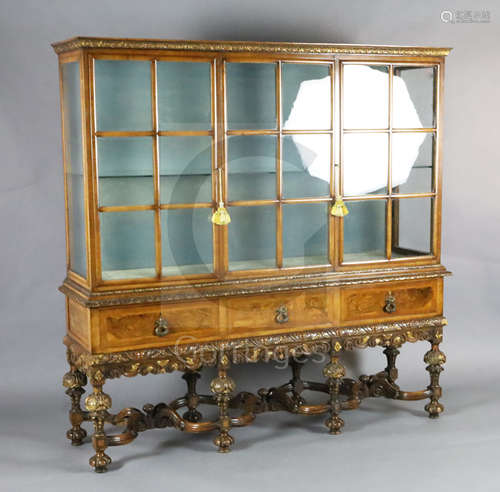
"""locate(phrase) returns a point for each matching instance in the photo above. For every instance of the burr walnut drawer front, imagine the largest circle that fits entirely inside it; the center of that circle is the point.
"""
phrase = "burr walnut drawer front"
(416, 299)
(152, 326)
(268, 313)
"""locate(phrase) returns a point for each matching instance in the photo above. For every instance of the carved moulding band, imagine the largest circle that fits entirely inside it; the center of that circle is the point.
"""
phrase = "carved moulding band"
(264, 348)
(244, 47)
(238, 287)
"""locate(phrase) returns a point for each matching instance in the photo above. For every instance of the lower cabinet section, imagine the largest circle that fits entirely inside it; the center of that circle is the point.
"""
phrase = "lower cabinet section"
(110, 329)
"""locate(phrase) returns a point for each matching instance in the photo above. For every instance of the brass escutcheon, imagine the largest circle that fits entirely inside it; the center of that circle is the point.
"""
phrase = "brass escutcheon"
(161, 327)
(281, 314)
(390, 303)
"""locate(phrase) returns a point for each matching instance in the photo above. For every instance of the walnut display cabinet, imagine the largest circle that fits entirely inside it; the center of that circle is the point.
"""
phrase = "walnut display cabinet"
(236, 202)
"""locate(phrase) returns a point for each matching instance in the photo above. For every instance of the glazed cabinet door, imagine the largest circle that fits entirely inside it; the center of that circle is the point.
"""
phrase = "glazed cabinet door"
(154, 141)
(278, 130)
(389, 134)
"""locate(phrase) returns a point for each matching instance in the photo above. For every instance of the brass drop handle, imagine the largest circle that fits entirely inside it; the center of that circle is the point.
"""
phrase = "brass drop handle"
(281, 314)
(390, 303)
(161, 327)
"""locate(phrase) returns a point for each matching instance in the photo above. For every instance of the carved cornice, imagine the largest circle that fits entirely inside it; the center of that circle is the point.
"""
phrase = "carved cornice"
(252, 349)
(244, 47)
(244, 286)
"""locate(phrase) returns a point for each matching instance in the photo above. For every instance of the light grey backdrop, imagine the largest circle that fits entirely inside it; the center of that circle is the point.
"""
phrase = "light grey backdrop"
(386, 445)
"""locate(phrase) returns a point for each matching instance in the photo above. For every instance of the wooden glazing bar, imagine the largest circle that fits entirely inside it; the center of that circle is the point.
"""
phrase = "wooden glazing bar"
(156, 169)
(126, 208)
(279, 169)
(331, 221)
(124, 134)
(388, 215)
(214, 156)
(180, 206)
(252, 132)
(186, 133)
(438, 140)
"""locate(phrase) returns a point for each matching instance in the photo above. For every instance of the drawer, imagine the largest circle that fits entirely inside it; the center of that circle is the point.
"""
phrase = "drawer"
(378, 302)
(130, 328)
(265, 314)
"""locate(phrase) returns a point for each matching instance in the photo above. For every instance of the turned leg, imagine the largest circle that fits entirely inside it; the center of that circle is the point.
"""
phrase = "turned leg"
(296, 382)
(392, 373)
(334, 371)
(74, 380)
(434, 359)
(192, 398)
(97, 404)
(223, 386)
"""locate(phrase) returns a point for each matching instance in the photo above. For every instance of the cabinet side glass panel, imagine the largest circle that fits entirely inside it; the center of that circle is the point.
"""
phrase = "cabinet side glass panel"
(73, 152)
(187, 241)
(127, 245)
(365, 231)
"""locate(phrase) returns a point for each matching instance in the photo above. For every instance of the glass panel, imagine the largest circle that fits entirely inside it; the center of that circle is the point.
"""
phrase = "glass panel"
(125, 171)
(184, 96)
(411, 226)
(251, 167)
(123, 95)
(412, 162)
(366, 96)
(306, 97)
(305, 234)
(251, 95)
(366, 163)
(73, 152)
(365, 231)
(185, 169)
(413, 97)
(186, 241)
(252, 237)
(127, 245)
(306, 166)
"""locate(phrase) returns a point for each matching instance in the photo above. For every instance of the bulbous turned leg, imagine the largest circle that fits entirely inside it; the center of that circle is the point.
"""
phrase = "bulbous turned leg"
(392, 372)
(334, 371)
(98, 404)
(223, 386)
(192, 398)
(434, 359)
(74, 380)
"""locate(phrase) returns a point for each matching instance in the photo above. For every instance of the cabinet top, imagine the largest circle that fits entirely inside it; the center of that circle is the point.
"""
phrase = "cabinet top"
(80, 42)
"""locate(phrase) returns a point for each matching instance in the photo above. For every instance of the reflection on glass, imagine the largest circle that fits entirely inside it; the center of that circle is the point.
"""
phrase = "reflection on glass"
(123, 95)
(412, 162)
(186, 241)
(364, 231)
(411, 226)
(251, 167)
(74, 167)
(125, 171)
(252, 237)
(251, 95)
(127, 245)
(306, 97)
(305, 234)
(184, 95)
(417, 85)
(186, 169)
(366, 96)
(366, 163)
(306, 166)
